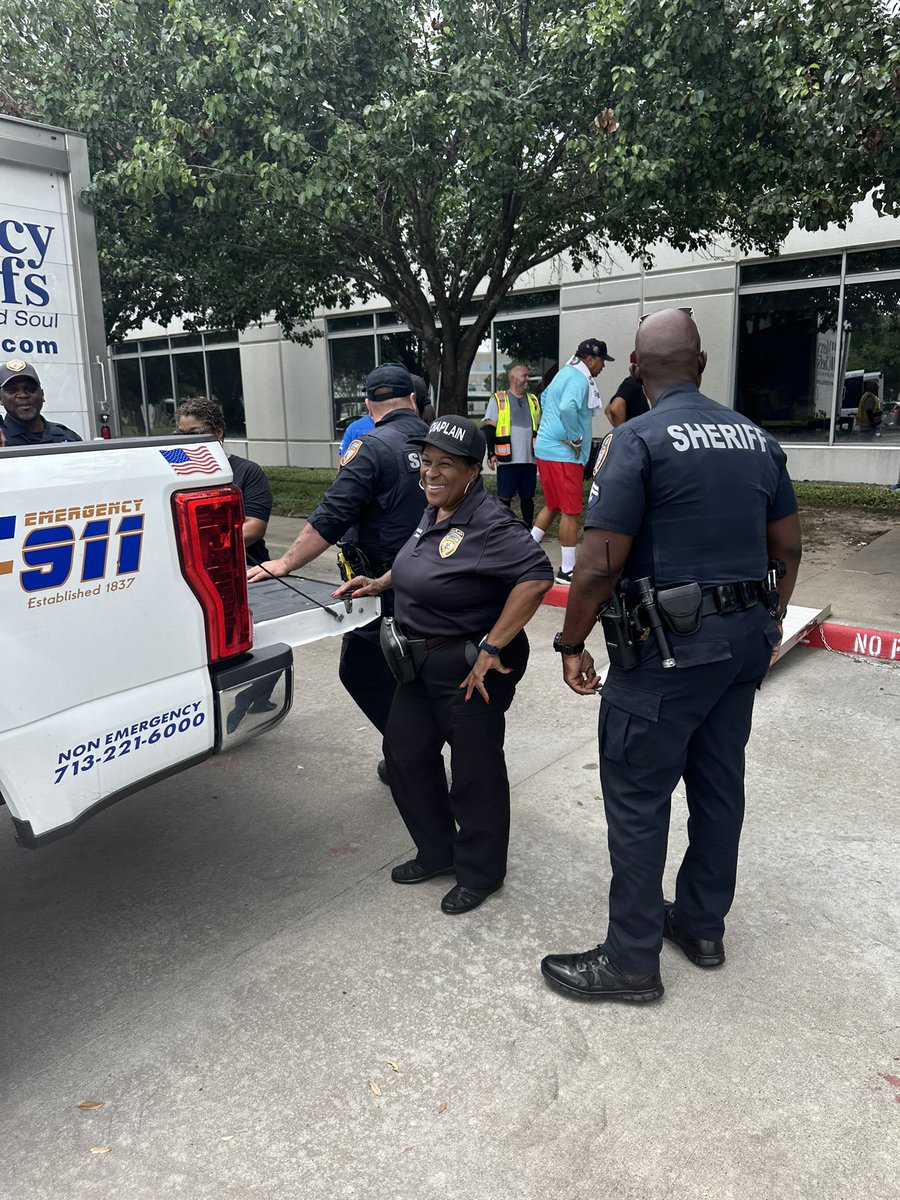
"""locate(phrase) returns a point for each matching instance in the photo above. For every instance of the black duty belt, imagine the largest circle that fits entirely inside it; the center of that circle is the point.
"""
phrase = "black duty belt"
(730, 597)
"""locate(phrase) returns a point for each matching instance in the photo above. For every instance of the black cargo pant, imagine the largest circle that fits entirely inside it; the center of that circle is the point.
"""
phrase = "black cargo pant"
(467, 825)
(658, 726)
(366, 675)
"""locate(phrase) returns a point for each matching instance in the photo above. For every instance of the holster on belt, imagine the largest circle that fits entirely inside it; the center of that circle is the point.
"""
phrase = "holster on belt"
(404, 655)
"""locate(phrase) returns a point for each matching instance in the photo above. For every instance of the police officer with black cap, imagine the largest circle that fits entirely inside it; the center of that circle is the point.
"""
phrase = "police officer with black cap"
(376, 493)
(691, 507)
(23, 398)
(465, 586)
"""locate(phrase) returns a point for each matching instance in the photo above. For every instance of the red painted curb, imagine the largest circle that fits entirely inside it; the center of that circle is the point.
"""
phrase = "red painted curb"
(557, 596)
(848, 639)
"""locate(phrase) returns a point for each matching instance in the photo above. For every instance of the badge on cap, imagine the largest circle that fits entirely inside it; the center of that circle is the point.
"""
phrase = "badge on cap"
(15, 364)
(351, 452)
(451, 542)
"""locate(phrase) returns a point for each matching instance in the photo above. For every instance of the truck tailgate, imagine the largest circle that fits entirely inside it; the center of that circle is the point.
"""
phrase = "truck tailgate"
(297, 611)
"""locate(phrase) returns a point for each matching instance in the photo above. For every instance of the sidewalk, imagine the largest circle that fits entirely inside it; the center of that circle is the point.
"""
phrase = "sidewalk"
(863, 590)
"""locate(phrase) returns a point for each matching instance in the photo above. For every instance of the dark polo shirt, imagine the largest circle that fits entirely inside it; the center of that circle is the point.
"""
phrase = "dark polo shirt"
(452, 578)
(18, 435)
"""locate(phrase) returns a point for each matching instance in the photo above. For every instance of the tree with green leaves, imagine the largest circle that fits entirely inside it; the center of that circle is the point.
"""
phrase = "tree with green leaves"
(274, 159)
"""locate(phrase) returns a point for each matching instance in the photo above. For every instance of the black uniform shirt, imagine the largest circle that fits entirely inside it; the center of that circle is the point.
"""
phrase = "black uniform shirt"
(633, 395)
(250, 478)
(695, 484)
(377, 489)
(18, 435)
(453, 577)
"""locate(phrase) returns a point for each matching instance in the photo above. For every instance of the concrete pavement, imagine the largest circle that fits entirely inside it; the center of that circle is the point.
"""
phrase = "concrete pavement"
(224, 962)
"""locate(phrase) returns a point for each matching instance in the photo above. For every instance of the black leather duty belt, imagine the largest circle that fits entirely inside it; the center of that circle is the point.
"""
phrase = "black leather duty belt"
(730, 597)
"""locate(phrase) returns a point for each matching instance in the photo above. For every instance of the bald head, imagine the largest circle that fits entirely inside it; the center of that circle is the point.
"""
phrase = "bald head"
(668, 352)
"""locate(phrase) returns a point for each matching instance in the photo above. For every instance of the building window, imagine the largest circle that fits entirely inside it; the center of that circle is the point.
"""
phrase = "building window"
(819, 356)
(871, 328)
(155, 374)
(352, 358)
(787, 351)
(530, 337)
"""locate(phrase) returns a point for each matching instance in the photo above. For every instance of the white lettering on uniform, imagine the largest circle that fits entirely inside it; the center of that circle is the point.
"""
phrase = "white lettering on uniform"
(716, 437)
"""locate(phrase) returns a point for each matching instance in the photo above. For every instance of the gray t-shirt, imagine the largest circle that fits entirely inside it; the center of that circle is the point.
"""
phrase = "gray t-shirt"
(520, 427)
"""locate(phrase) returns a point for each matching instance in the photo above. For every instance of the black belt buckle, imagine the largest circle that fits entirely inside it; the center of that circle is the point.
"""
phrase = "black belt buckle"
(726, 599)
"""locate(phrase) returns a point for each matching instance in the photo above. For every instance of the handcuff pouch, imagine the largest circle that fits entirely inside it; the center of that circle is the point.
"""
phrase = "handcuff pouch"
(681, 608)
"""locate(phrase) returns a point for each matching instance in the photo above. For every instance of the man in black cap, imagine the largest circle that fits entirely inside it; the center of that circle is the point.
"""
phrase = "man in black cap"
(23, 398)
(377, 494)
(563, 444)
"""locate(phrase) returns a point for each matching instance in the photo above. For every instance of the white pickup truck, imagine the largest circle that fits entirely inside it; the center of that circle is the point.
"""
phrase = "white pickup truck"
(128, 649)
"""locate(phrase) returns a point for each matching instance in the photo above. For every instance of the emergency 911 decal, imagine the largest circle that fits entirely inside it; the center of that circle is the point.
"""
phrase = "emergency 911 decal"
(76, 552)
(128, 739)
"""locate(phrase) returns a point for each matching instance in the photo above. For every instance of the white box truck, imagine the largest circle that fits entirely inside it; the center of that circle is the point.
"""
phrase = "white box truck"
(51, 313)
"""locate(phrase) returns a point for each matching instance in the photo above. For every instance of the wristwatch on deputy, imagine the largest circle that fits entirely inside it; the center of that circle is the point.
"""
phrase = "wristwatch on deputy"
(486, 646)
(562, 648)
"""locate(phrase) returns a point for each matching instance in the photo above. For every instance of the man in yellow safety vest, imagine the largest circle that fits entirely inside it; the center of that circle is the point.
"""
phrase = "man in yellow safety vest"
(510, 425)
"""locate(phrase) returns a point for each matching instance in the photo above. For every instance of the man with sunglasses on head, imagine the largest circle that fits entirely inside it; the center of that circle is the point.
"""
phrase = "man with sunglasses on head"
(691, 521)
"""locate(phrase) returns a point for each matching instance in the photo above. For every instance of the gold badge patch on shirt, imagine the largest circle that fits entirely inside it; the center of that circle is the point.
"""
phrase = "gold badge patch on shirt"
(351, 452)
(451, 542)
(604, 450)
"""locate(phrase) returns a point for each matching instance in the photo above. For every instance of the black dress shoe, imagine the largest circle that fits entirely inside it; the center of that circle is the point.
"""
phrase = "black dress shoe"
(414, 872)
(701, 951)
(463, 899)
(591, 976)
(381, 771)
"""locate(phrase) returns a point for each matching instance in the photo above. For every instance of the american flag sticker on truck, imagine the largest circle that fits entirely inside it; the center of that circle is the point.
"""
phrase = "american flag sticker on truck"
(190, 462)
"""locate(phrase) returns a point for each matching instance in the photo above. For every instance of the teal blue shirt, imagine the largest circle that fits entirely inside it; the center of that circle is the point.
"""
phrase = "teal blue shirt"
(565, 417)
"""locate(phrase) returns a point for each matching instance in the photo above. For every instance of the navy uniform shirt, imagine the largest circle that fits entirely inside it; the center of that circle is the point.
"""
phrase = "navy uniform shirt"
(18, 435)
(377, 489)
(453, 577)
(250, 479)
(695, 485)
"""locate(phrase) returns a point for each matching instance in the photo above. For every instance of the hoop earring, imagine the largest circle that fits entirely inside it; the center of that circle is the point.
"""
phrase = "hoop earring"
(421, 485)
(468, 485)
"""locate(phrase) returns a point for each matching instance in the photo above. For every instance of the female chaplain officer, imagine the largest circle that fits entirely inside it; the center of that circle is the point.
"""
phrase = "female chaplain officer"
(468, 581)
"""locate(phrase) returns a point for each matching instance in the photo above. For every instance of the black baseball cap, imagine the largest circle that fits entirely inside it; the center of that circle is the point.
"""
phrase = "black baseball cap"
(456, 435)
(591, 348)
(390, 382)
(15, 367)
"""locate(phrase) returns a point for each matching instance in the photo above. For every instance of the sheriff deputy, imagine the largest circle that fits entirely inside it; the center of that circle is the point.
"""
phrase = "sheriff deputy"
(377, 493)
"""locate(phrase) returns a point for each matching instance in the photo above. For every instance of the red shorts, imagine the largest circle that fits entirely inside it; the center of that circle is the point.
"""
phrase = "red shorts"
(563, 483)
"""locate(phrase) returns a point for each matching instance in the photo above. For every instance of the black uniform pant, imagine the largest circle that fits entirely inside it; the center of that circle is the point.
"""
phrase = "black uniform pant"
(660, 725)
(467, 825)
(366, 675)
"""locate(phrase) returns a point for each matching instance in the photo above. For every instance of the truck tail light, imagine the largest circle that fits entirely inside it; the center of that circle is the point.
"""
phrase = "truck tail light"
(209, 524)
